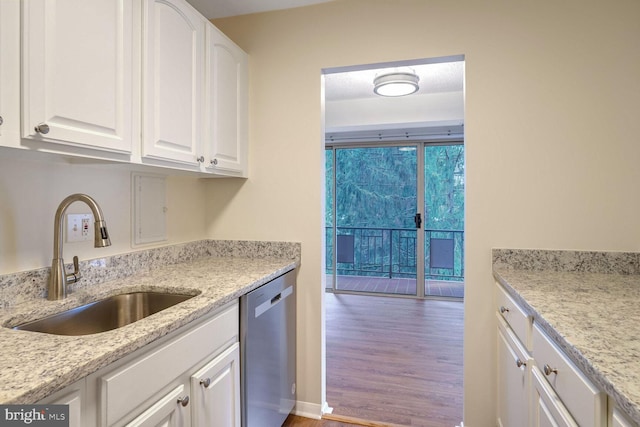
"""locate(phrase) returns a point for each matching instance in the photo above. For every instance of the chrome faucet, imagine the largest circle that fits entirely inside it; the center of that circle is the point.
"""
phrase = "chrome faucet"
(59, 278)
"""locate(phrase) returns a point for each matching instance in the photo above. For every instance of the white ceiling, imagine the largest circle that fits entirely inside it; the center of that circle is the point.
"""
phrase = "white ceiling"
(434, 78)
(213, 9)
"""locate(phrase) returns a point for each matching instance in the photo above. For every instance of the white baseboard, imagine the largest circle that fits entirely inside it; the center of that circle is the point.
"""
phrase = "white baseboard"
(311, 410)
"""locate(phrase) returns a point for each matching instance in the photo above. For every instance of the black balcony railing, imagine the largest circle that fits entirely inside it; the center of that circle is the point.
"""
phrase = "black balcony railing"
(391, 252)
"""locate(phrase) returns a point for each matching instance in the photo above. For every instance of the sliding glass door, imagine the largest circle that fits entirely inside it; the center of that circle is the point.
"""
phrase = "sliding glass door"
(394, 219)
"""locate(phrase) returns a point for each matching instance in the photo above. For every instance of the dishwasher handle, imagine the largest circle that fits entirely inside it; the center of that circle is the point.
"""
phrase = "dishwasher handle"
(269, 304)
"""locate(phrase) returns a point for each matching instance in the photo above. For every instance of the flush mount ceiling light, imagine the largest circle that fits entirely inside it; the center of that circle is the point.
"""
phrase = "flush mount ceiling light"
(396, 84)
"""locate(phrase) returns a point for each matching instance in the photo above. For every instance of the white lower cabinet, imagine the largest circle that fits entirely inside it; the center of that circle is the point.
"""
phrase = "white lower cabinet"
(547, 409)
(215, 391)
(513, 361)
(617, 418)
(586, 403)
(513, 378)
(74, 396)
(537, 384)
(167, 412)
(190, 377)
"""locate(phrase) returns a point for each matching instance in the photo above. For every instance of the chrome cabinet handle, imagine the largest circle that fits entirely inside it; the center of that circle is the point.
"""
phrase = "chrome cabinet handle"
(503, 309)
(548, 370)
(200, 159)
(184, 401)
(214, 162)
(42, 128)
(520, 363)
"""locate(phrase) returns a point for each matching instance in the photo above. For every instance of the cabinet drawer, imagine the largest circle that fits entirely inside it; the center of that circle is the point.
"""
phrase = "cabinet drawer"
(582, 398)
(126, 388)
(514, 315)
(547, 408)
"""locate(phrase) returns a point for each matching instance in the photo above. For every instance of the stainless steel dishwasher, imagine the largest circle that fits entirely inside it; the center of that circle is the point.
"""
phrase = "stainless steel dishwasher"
(268, 352)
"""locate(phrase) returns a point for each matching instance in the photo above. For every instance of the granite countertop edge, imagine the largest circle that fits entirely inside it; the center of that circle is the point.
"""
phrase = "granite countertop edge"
(32, 365)
(517, 283)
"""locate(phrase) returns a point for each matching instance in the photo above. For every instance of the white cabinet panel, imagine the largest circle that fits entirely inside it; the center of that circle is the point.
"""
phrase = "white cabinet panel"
(9, 73)
(216, 391)
(173, 55)
(584, 400)
(547, 408)
(124, 389)
(77, 73)
(227, 105)
(513, 378)
(149, 208)
(618, 419)
(167, 412)
(515, 316)
(72, 396)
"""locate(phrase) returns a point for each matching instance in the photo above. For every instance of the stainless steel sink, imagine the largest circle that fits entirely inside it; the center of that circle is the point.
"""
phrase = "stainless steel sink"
(105, 315)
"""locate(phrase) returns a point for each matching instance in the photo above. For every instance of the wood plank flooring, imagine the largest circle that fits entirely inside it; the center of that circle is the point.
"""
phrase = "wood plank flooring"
(294, 421)
(394, 360)
(397, 286)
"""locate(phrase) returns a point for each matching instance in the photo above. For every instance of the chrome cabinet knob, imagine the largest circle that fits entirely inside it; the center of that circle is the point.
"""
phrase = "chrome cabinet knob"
(184, 401)
(503, 309)
(205, 382)
(214, 162)
(548, 370)
(200, 159)
(1, 120)
(520, 363)
(42, 128)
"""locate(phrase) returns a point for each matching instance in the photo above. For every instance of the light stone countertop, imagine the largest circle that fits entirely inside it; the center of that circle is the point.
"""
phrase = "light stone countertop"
(34, 365)
(593, 317)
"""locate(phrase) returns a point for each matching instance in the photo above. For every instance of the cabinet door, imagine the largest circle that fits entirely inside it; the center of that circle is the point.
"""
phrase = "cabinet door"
(547, 409)
(173, 68)
(10, 73)
(618, 419)
(73, 396)
(77, 73)
(513, 379)
(166, 412)
(226, 107)
(216, 391)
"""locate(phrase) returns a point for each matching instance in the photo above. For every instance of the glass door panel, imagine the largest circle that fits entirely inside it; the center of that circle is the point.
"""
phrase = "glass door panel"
(444, 220)
(329, 218)
(375, 233)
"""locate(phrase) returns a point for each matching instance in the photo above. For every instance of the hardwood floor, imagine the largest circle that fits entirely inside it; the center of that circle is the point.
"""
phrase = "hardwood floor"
(293, 421)
(394, 360)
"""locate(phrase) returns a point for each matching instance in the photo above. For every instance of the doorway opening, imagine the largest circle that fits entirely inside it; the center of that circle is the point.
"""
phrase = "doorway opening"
(394, 180)
(394, 226)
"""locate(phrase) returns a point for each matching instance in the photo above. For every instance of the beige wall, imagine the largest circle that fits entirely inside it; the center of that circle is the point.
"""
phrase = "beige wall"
(552, 106)
(32, 187)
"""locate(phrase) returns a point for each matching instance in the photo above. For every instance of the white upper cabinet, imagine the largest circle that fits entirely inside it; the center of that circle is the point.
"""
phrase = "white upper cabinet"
(77, 73)
(172, 81)
(226, 106)
(9, 72)
(149, 82)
